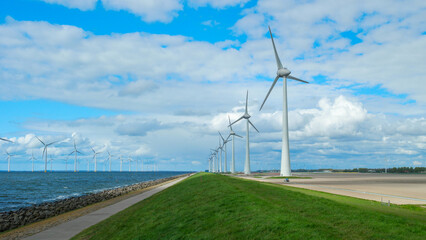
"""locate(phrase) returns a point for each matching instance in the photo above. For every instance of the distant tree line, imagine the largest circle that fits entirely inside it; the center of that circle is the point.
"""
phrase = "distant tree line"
(370, 170)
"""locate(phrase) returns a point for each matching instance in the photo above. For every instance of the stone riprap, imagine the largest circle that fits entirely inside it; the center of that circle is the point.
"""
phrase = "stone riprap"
(13, 219)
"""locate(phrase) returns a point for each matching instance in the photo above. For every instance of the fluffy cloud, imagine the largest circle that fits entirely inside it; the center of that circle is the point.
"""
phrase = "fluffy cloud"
(216, 3)
(149, 10)
(80, 4)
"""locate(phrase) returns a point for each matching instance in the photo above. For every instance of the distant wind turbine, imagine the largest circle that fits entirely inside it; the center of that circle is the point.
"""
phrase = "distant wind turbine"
(214, 163)
(45, 152)
(130, 160)
(75, 152)
(121, 163)
(220, 154)
(233, 134)
(94, 157)
(32, 158)
(109, 160)
(247, 117)
(284, 73)
(225, 141)
(51, 160)
(8, 160)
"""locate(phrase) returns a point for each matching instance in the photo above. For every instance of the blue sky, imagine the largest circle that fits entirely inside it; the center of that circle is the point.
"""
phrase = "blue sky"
(157, 81)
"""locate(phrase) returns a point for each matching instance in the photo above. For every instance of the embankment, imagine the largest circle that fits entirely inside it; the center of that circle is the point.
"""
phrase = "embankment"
(14, 219)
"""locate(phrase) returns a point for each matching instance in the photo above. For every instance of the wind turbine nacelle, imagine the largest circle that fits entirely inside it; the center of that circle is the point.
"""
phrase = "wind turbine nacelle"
(283, 72)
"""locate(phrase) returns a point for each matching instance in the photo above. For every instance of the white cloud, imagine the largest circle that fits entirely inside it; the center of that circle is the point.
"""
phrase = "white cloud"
(216, 3)
(149, 10)
(83, 5)
(405, 151)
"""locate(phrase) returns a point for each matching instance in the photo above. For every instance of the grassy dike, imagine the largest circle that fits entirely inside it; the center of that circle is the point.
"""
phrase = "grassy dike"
(211, 206)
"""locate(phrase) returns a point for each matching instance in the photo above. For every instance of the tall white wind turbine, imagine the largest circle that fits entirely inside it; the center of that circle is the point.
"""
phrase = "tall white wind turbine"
(75, 152)
(283, 73)
(225, 141)
(247, 117)
(8, 160)
(94, 158)
(45, 152)
(233, 134)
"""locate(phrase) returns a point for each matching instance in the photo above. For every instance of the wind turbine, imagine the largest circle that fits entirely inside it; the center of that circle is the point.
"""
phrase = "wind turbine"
(130, 160)
(8, 160)
(109, 159)
(214, 163)
(225, 141)
(121, 163)
(32, 158)
(233, 134)
(75, 157)
(220, 155)
(283, 73)
(45, 152)
(94, 157)
(51, 160)
(247, 117)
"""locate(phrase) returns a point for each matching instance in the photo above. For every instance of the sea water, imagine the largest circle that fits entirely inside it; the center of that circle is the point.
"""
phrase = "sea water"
(22, 189)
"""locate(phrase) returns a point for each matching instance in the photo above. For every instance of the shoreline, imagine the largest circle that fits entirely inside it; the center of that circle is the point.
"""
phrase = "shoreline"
(15, 220)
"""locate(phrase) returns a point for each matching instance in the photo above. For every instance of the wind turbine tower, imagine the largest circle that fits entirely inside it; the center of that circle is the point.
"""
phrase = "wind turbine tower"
(247, 117)
(283, 73)
(233, 134)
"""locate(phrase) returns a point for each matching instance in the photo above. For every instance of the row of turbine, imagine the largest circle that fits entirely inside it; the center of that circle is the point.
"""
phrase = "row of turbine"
(283, 73)
(75, 152)
(215, 159)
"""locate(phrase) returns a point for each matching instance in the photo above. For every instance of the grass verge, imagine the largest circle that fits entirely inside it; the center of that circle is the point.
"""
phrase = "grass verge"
(212, 206)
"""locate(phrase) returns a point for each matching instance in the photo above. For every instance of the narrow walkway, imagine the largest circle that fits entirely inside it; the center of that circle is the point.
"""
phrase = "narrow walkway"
(70, 229)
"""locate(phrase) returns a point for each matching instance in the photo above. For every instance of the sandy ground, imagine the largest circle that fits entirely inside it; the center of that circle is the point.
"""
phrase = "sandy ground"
(396, 188)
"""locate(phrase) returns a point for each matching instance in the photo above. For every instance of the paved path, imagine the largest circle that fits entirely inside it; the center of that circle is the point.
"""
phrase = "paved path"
(70, 229)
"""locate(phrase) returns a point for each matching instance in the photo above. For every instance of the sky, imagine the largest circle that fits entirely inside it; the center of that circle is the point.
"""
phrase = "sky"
(156, 80)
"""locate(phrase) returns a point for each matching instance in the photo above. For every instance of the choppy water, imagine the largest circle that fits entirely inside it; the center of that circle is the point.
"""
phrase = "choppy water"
(22, 189)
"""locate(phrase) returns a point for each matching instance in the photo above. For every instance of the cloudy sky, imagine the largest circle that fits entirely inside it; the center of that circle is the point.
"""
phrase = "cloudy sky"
(156, 80)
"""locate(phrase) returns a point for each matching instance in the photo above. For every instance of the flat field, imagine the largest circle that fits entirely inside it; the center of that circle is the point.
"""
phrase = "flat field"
(213, 206)
(395, 188)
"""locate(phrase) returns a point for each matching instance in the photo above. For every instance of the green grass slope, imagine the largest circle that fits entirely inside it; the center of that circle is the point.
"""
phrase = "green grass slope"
(210, 206)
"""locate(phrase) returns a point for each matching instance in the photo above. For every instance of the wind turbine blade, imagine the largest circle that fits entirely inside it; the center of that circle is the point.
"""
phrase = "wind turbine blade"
(253, 125)
(236, 120)
(238, 136)
(71, 153)
(7, 140)
(79, 152)
(51, 143)
(297, 79)
(269, 92)
(93, 150)
(41, 141)
(246, 101)
(279, 65)
(221, 136)
(230, 123)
